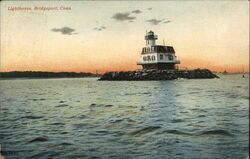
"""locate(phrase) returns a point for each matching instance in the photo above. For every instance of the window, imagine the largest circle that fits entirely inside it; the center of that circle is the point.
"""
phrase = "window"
(170, 57)
(153, 58)
(161, 57)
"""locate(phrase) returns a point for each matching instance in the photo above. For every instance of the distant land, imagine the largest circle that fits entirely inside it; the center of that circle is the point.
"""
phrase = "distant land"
(41, 74)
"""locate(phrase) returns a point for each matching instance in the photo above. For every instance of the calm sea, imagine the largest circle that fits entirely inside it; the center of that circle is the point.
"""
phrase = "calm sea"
(86, 118)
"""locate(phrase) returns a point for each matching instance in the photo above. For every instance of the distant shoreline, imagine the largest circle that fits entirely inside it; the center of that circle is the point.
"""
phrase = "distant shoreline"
(27, 78)
(44, 75)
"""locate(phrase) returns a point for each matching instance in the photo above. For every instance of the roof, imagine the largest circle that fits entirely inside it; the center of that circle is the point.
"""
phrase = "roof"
(170, 49)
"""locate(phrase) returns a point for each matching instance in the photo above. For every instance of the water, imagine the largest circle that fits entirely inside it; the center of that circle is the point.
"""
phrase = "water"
(86, 118)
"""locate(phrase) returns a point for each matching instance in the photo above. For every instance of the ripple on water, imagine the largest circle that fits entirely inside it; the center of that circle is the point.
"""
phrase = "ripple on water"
(245, 97)
(177, 132)
(177, 120)
(146, 93)
(59, 144)
(145, 130)
(32, 117)
(202, 115)
(116, 120)
(216, 132)
(38, 139)
(238, 86)
(100, 105)
(93, 105)
(184, 112)
(166, 141)
(100, 132)
(57, 123)
(231, 95)
(177, 95)
(196, 92)
(128, 94)
(108, 105)
(82, 116)
(62, 105)
(42, 155)
(80, 125)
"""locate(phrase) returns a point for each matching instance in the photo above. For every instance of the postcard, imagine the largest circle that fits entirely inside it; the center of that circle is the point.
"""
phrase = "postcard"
(124, 79)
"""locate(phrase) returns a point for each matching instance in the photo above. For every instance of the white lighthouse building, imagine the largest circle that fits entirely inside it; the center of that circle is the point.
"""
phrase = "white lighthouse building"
(158, 57)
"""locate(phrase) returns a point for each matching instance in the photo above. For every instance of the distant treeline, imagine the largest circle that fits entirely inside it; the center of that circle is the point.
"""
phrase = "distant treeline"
(40, 74)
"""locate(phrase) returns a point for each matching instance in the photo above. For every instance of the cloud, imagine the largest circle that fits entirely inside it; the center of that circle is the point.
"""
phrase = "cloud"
(100, 28)
(149, 8)
(64, 30)
(154, 21)
(136, 11)
(122, 17)
(167, 21)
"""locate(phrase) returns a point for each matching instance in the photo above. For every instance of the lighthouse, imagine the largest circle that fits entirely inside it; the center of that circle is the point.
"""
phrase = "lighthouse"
(159, 57)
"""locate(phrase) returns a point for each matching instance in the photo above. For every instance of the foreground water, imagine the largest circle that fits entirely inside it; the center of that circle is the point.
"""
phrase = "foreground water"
(86, 118)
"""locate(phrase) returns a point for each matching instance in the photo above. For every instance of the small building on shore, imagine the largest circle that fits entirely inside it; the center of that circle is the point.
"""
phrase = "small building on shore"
(159, 57)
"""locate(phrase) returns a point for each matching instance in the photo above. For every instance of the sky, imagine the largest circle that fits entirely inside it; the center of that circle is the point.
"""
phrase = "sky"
(90, 36)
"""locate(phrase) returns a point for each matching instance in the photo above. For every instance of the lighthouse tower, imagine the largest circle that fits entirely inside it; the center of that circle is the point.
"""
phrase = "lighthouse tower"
(150, 39)
(159, 57)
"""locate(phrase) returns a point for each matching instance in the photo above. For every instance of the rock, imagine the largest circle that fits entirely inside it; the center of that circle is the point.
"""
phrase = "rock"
(144, 75)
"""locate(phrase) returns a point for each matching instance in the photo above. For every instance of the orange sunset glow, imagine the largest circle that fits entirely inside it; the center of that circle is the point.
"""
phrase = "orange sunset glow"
(98, 36)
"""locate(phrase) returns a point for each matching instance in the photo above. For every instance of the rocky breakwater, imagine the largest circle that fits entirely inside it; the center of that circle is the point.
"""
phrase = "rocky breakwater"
(146, 75)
